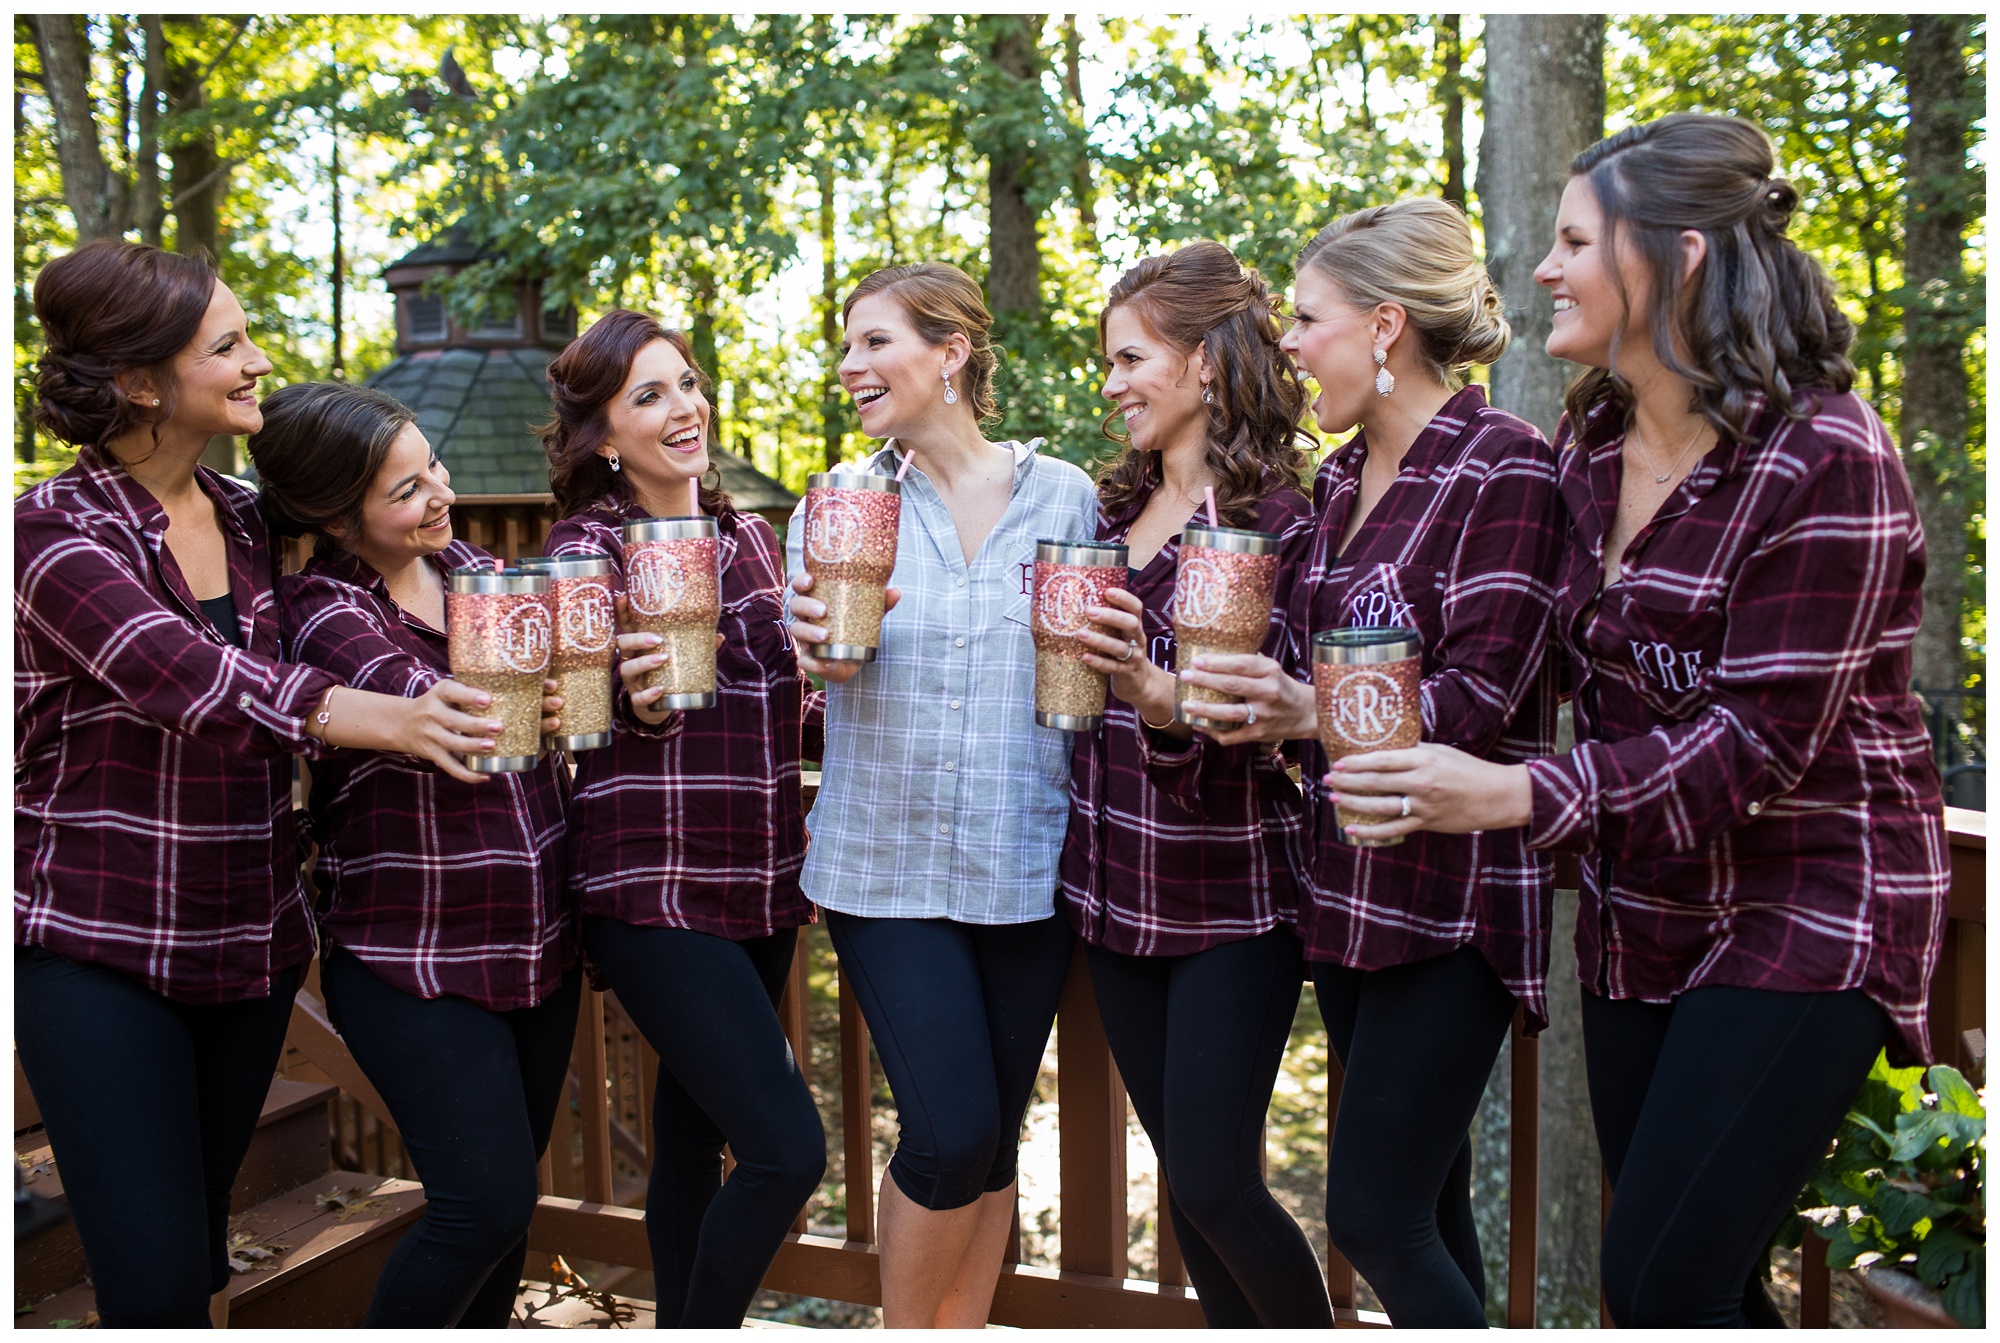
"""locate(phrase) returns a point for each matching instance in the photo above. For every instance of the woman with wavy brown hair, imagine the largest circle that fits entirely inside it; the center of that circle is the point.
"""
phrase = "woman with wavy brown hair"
(687, 833)
(1752, 790)
(1439, 517)
(1180, 867)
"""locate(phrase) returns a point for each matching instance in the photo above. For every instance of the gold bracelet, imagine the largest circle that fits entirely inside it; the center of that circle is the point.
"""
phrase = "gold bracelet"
(325, 714)
(1157, 727)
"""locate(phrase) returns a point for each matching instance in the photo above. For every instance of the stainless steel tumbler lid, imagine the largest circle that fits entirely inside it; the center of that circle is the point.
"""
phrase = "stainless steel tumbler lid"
(1387, 643)
(853, 480)
(1105, 554)
(485, 578)
(670, 529)
(566, 566)
(1236, 539)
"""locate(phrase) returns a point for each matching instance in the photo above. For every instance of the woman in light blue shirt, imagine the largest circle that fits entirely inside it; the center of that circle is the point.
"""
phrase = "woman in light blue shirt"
(942, 807)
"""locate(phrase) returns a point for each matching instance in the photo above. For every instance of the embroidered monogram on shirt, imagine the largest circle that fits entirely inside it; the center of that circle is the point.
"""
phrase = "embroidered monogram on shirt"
(1661, 663)
(1378, 610)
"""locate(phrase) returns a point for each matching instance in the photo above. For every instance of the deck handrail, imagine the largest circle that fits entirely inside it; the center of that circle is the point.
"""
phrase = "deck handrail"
(580, 1217)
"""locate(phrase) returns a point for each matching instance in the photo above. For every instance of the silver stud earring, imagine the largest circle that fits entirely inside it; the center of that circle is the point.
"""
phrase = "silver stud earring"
(1207, 395)
(1385, 381)
(950, 393)
(156, 400)
(613, 459)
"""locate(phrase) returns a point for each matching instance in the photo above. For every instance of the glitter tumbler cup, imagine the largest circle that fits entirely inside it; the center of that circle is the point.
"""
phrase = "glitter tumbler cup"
(1365, 684)
(850, 549)
(1070, 577)
(1222, 604)
(673, 583)
(584, 649)
(499, 623)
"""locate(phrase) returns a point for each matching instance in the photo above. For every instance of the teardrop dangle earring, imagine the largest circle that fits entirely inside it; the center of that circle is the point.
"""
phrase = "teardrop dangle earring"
(1207, 395)
(613, 459)
(950, 393)
(1385, 381)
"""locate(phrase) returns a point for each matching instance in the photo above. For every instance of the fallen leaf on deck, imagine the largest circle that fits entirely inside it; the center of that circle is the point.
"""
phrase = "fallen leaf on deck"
(247, 1253)
(346, 1203)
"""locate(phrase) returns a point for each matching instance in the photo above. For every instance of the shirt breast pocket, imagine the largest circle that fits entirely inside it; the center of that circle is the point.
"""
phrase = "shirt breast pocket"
(1017, 611)
(1668, 652)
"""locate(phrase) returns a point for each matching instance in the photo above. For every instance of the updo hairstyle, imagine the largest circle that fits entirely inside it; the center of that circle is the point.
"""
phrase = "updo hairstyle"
(111, 309)
(939, 299)
(1418, 254)
(583, 381)
(318, 454)
(1757, 315)
(1196, 293)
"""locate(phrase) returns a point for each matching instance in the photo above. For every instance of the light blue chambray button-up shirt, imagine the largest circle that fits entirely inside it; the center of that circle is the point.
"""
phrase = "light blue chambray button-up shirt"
(939, 797)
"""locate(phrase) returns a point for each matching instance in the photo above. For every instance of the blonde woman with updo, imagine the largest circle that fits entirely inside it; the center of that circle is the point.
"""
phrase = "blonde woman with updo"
(940, 817)
(1440, 515)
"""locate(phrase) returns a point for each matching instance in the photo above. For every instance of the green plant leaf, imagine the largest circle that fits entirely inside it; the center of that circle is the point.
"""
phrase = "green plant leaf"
(1943, 1254)
(1902, 1209)
(1955, 1095)
(1965, 1294)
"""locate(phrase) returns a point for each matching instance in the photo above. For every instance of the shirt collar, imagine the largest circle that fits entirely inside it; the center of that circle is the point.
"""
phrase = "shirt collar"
(886, 460)
(114, 484)
(347, 567)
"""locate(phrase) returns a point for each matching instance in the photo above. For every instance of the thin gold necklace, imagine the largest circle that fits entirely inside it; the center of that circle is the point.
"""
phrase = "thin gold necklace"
(1658, 478)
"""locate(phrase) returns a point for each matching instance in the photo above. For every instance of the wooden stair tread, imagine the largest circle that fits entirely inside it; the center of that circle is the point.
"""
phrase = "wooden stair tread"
(313, 1236)
(573, 1312)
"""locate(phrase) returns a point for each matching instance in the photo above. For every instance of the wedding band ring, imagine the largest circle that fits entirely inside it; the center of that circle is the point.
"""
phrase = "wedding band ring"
(1250, 719)
(1131, 647)
(1406, 807)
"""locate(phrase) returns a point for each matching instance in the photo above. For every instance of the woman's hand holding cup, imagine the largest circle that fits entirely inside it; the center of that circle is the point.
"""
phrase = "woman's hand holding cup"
(638, 656)
(1276, 707)
(806, 609)
(1115, 647)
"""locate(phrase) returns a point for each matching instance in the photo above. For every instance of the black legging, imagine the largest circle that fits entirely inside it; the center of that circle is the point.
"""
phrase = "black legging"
(474, 1095)
(1198, 1040)
(150, 1106)
(960, 1013)
(1711, 1113)
(727, 1075)
(1416, 1044)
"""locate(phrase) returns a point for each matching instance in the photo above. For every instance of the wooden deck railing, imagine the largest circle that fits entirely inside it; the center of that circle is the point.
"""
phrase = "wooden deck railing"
(587, 1186)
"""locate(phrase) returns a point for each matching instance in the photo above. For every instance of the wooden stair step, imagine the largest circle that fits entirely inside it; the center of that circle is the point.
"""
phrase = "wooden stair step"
(543, 1306)
(325, 1272)
(292, 1145)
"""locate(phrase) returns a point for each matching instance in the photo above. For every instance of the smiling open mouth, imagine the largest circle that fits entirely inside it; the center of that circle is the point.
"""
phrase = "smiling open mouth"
(685, 439)
(868, 396)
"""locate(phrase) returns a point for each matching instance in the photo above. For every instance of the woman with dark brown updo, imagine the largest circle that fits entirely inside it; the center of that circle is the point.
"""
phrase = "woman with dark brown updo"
(447, 950)
(160, 923)
(1180, 867)
(687, 832)
(1752, 788)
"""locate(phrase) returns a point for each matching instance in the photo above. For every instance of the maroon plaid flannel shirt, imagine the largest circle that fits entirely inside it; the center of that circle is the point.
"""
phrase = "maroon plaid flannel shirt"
(1176, 847)
(698, 823)
(1753, 773)
(438, 886)
(1463, 547)
(152, 789)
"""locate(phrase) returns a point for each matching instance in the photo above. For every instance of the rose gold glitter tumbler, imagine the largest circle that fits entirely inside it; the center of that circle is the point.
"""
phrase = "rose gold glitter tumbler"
(1222, 604)
(1070, 577)
(585, 647)
(1365, 682)
(499, 626)
(673, 583)
(850, 550)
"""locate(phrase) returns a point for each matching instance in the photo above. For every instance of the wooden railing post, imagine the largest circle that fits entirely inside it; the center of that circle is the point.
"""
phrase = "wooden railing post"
(594, 1107)
(1339, 1273)
(1524, 1137)
(1173, 1269)
(1091, 1100)
(792, 1016)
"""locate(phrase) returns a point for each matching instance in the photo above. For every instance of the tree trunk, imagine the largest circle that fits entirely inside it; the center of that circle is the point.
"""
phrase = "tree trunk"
(149, 207)
(198, 174)
(1014, 274)
(337, 364)
(89, 188)
(831, 427)
(1935, 317)
(1451, 91)
(1081, 184)
(1544, 105)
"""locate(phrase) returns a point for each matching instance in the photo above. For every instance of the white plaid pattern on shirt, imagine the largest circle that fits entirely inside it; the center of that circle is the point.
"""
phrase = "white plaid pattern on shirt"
(940, 797)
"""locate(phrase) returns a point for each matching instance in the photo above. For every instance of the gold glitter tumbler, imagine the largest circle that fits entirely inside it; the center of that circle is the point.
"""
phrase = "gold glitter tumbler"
(1365, 682)
(1070, 576)
(850, 550)
(1223, 586)
(499, 625)
(585, 647)
(673, 582)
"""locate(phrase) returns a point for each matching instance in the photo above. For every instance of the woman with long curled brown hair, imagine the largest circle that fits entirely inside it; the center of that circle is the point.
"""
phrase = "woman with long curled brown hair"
(160, 921)
(1752, 790)
(686, 833)
(1440, 516)
(1180, 867)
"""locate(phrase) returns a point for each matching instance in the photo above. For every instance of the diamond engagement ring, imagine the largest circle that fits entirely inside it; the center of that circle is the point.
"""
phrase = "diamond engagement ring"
(1406, 807)
(1131, 647)
(1250, 718)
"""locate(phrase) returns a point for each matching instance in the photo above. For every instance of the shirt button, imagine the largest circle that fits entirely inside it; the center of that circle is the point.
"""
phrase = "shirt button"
(1754, 808)
(961, 582)
(944, 829)
(958, 643)
(950, 766)
(242, 701)
(954, 704)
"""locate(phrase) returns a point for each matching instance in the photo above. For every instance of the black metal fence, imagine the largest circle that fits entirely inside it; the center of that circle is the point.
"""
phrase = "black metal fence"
(1957, 720)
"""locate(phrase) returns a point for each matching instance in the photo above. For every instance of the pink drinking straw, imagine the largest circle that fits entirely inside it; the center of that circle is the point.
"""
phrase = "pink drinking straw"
(904, 469)
(1208, 491)
(499, 565)
(694, 496)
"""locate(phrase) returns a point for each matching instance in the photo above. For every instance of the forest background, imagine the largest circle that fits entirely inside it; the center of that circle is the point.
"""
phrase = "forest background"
(739, 174)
